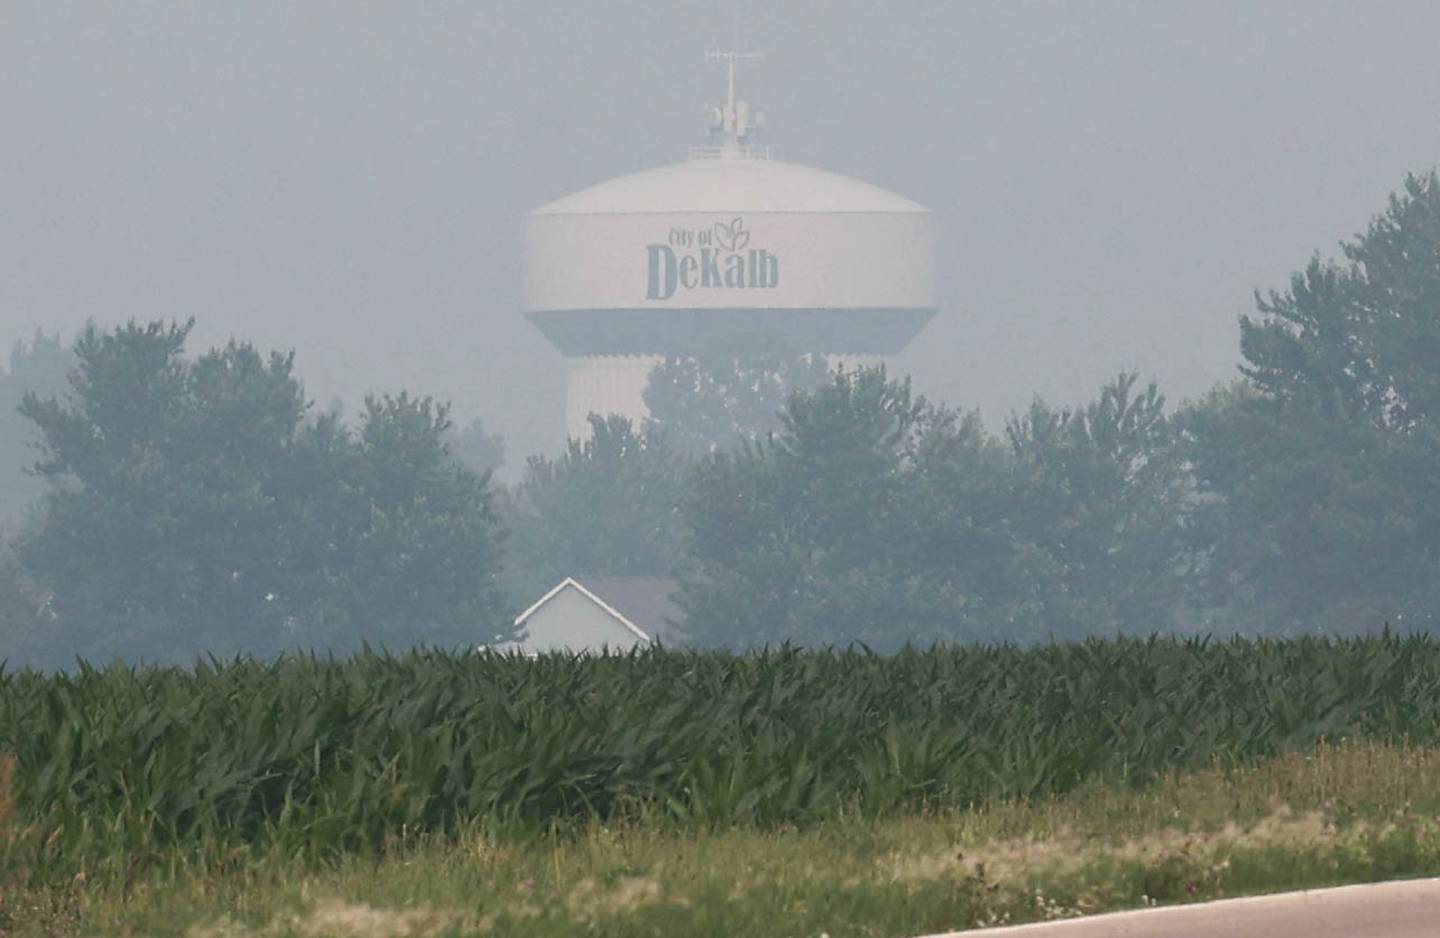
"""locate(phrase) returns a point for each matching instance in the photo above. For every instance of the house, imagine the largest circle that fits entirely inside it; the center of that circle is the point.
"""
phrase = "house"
(600, 613)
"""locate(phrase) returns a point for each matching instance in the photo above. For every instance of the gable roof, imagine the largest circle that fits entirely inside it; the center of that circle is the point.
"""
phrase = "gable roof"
(646, 601)
(572, 583)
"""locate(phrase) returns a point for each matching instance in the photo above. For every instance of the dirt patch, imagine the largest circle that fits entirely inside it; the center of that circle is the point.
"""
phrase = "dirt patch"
(588, 901)
(1011, 861)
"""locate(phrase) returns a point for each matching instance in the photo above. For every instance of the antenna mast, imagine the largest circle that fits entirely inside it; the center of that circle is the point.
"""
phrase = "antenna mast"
(730, 128)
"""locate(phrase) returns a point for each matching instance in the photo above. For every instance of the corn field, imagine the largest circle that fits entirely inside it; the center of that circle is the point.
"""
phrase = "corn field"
(320, 756)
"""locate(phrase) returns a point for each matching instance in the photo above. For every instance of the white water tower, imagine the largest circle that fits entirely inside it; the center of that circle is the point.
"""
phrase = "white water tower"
(728, 243)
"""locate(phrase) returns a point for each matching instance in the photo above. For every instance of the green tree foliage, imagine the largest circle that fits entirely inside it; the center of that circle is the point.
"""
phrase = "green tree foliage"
(39, 366)
(608, 506)
(193, 506)
(733, 392)
(1320, 500)
(1360, 339)
(426, 561)
(874, 516)
(804, 536)
(1097, 502)
(27, 629)
(478, 448)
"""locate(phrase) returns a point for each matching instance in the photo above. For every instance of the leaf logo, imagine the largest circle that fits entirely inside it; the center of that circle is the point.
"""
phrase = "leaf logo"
(732, 237)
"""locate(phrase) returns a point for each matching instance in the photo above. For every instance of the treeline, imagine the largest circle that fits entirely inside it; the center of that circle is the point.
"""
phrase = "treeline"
(1304, 497)
(194, 505)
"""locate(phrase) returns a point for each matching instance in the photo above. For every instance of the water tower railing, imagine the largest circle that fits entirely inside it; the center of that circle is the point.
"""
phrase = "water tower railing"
(730, 152)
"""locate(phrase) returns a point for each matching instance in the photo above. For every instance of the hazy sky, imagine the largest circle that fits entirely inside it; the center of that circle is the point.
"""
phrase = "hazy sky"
(1110, 180)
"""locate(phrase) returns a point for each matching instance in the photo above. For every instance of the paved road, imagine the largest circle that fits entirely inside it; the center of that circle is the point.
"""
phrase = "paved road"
(1409, 909)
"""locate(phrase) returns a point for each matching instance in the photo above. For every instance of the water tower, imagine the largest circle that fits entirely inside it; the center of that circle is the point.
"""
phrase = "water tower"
(730, 242)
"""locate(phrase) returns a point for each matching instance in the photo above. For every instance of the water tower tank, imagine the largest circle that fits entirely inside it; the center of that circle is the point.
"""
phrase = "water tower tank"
(728, 243)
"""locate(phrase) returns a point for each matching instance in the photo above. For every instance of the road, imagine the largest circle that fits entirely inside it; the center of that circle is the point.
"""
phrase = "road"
(1409, 909)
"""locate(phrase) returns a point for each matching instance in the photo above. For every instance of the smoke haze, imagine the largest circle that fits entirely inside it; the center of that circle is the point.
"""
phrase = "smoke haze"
(1110, 181)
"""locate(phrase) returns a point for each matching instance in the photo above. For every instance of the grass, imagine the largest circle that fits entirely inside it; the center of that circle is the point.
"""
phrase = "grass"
(1349, 813)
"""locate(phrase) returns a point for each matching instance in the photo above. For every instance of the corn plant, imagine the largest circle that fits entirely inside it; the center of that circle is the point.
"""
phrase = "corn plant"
(322, 756)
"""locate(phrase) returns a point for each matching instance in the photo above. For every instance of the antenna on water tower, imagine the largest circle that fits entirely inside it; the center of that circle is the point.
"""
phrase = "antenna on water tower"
(730, 127)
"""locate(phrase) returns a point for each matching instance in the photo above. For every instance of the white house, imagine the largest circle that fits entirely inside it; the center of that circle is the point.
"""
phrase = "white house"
(615, 614)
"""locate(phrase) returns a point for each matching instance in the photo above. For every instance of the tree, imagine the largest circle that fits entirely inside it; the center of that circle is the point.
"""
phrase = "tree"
(734, 391)
(608, 506)
(194, 506)
(40, 367)
(427, 558)
(478, 448)
(27, 630)
(1320, 505)
(1309, 520)
(1098, 501)
(874, 516)
(838, 528)
(1360, 340)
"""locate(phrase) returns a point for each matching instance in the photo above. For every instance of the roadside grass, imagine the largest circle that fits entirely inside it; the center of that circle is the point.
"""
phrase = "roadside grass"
(1340, 814)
